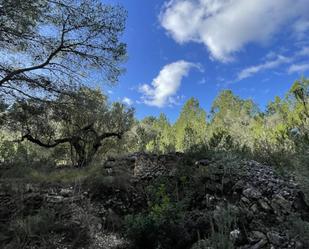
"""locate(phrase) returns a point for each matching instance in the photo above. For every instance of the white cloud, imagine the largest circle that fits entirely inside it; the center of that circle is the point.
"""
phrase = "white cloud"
(270, 64)
(226, 26)
(304, 51)
(273, 60)
(301, 27)
(127, 101)
(298, 68)
(163, 88)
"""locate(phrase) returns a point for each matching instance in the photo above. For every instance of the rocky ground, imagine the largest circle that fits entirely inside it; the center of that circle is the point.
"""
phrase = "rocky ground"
(91, 215)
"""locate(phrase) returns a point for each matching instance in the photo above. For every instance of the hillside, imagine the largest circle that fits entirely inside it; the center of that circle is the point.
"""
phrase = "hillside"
(158, 201)
(168, 124)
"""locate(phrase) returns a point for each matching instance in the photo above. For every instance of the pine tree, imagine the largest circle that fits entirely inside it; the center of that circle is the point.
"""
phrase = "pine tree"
(194, 117)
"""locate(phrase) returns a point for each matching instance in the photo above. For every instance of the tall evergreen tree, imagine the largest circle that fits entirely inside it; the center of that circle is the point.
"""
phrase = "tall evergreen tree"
(233, 115)
(191, 123)
(165, 135)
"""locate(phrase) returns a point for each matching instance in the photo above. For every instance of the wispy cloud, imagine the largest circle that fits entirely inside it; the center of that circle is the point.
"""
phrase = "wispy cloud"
(269, 64)
(303, 52)
(162, 90)
(273, 60)
(227, 26)
(298, 68)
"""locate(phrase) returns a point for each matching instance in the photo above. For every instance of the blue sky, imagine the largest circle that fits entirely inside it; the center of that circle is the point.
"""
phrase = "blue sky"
(195, 48)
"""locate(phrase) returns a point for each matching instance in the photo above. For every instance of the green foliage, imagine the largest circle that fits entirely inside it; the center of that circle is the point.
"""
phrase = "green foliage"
(300, 90)
(35, 227)
(276, 137)
(234, 115)
(55, 46)
(190, 127)
(79, 123)
(8, 150)
(162, 226)
(221, 140)
(159, 136)
(224, 220)
(46, 229)
(189, 139)
(165, 136)
(154, 134)
(19, 17)
(299, 228)
(142, 229)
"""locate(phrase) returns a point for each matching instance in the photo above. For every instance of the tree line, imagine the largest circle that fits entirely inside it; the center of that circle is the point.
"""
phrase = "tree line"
(233, 123)
(53, 50)
(84, 125)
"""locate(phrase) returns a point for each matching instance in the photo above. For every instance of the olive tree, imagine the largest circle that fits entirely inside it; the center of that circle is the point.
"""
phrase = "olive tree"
(83, 121)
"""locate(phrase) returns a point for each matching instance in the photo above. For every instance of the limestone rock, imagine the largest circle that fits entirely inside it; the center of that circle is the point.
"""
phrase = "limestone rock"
(259, 200)
(252, 193)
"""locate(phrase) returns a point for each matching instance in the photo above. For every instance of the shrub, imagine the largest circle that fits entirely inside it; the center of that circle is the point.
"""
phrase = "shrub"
(161, 226)
(224, 221)
(142, 230)
(35, 227)
(299, 229)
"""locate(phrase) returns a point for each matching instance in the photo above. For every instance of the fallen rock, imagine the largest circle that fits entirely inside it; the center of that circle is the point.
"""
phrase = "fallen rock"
(275, 238)
(252, 193)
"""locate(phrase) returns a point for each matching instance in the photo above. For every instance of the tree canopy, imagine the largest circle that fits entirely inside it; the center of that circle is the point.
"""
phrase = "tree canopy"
(52, 46)
(82, 121)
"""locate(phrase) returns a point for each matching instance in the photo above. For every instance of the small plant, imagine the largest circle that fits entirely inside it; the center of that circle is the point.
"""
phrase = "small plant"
(299, 229)
(223, 222)
(142, 230)
(162, 226)
(35, 227)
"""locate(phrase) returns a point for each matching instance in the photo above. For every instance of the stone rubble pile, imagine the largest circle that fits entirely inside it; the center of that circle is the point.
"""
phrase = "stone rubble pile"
(264, 200)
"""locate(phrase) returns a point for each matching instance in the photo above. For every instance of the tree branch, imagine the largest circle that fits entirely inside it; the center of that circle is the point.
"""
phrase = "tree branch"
(42, 65)
(31, 139)
(111, 134)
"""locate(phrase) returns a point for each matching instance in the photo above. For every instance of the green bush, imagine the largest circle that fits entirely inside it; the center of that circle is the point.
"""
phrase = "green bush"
(162, 226)
(299, 229)
(35, 227)
(223, 222)
(142, 230)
